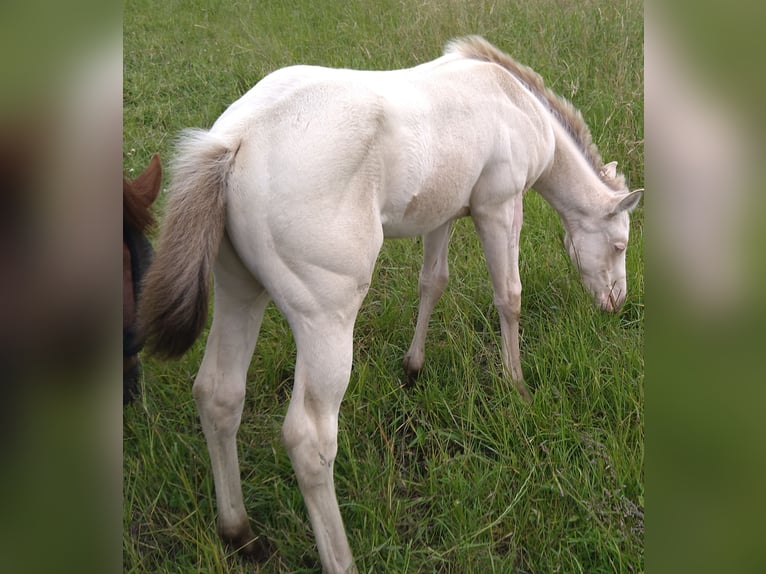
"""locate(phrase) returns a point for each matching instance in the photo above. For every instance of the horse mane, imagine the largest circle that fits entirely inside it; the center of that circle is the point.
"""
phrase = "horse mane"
(570, 118)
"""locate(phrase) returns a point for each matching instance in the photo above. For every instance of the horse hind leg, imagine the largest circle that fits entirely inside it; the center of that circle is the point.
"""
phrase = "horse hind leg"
(323, 327)
(433, 278)
(219, 392)
(310, 432)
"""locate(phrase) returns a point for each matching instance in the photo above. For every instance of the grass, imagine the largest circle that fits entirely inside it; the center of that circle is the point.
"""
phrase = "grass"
(455, 474)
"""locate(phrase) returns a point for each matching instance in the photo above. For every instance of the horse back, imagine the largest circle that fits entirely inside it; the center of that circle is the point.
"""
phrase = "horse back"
(412, 143)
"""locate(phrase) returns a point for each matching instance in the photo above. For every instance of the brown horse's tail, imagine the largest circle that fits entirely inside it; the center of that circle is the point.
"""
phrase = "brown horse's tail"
(172, 310)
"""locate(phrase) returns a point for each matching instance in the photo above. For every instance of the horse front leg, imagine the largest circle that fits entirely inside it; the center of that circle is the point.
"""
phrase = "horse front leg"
(433, 278)
(500, 231)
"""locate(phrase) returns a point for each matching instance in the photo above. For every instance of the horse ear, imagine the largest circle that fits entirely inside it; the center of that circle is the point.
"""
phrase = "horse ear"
(628, 202)
(609, 171)
(147, 185)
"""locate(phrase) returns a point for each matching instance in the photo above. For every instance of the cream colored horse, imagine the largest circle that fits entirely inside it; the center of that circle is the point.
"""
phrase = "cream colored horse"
(289, 196)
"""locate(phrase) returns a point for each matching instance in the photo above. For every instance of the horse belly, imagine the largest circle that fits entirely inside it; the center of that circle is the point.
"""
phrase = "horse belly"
(424, 212)
(426, 190)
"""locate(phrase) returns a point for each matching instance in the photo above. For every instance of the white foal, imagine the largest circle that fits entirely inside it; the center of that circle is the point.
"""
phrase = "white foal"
(289, 197)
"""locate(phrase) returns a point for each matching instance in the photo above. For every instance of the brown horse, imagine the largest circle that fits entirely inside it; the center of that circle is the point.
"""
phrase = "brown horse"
(137, 198)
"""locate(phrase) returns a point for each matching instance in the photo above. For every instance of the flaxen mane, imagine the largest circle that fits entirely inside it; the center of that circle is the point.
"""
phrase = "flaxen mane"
(477, 48)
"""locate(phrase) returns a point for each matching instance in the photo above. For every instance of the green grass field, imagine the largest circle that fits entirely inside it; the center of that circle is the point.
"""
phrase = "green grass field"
(455, 474)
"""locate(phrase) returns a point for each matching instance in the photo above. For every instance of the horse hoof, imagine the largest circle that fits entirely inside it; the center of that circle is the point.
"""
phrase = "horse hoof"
(248, 545)
(410, 373)
(526, 396)
(258, 549)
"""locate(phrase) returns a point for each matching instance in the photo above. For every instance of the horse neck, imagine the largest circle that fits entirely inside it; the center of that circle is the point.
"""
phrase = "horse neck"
(570, 184)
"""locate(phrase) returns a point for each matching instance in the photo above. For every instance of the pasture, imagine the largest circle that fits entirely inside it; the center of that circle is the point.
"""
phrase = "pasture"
(454, 473)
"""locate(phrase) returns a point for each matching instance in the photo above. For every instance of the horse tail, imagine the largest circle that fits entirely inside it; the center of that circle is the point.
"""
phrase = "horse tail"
(174, 297)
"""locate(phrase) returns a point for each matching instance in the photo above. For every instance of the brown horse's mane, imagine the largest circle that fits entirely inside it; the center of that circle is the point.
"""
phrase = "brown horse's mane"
(477, 48)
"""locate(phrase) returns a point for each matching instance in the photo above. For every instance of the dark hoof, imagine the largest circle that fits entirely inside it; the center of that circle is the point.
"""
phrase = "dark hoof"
(248, 545)
(410, 378)
(257, 549)
(410, 375)
(526, 396)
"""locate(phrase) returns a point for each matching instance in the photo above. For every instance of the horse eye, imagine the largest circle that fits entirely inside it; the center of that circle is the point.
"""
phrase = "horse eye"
(619, 246)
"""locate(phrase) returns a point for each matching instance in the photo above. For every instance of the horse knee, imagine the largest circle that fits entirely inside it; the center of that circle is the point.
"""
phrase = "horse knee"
(509, 303)
(219, 400)
(312, 447)
(218, 391)
(433, 283)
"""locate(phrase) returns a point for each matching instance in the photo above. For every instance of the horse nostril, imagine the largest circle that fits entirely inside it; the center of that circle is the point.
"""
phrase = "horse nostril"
(615, 302)
(615, 297)
(611, 300)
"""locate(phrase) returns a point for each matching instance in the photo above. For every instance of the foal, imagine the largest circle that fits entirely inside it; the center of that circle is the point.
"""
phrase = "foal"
(289, 197)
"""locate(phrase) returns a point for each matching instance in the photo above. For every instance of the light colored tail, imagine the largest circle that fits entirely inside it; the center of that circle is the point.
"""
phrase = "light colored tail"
(174, 297)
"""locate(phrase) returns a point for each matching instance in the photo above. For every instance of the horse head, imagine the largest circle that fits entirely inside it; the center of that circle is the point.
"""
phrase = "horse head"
(596, 243)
